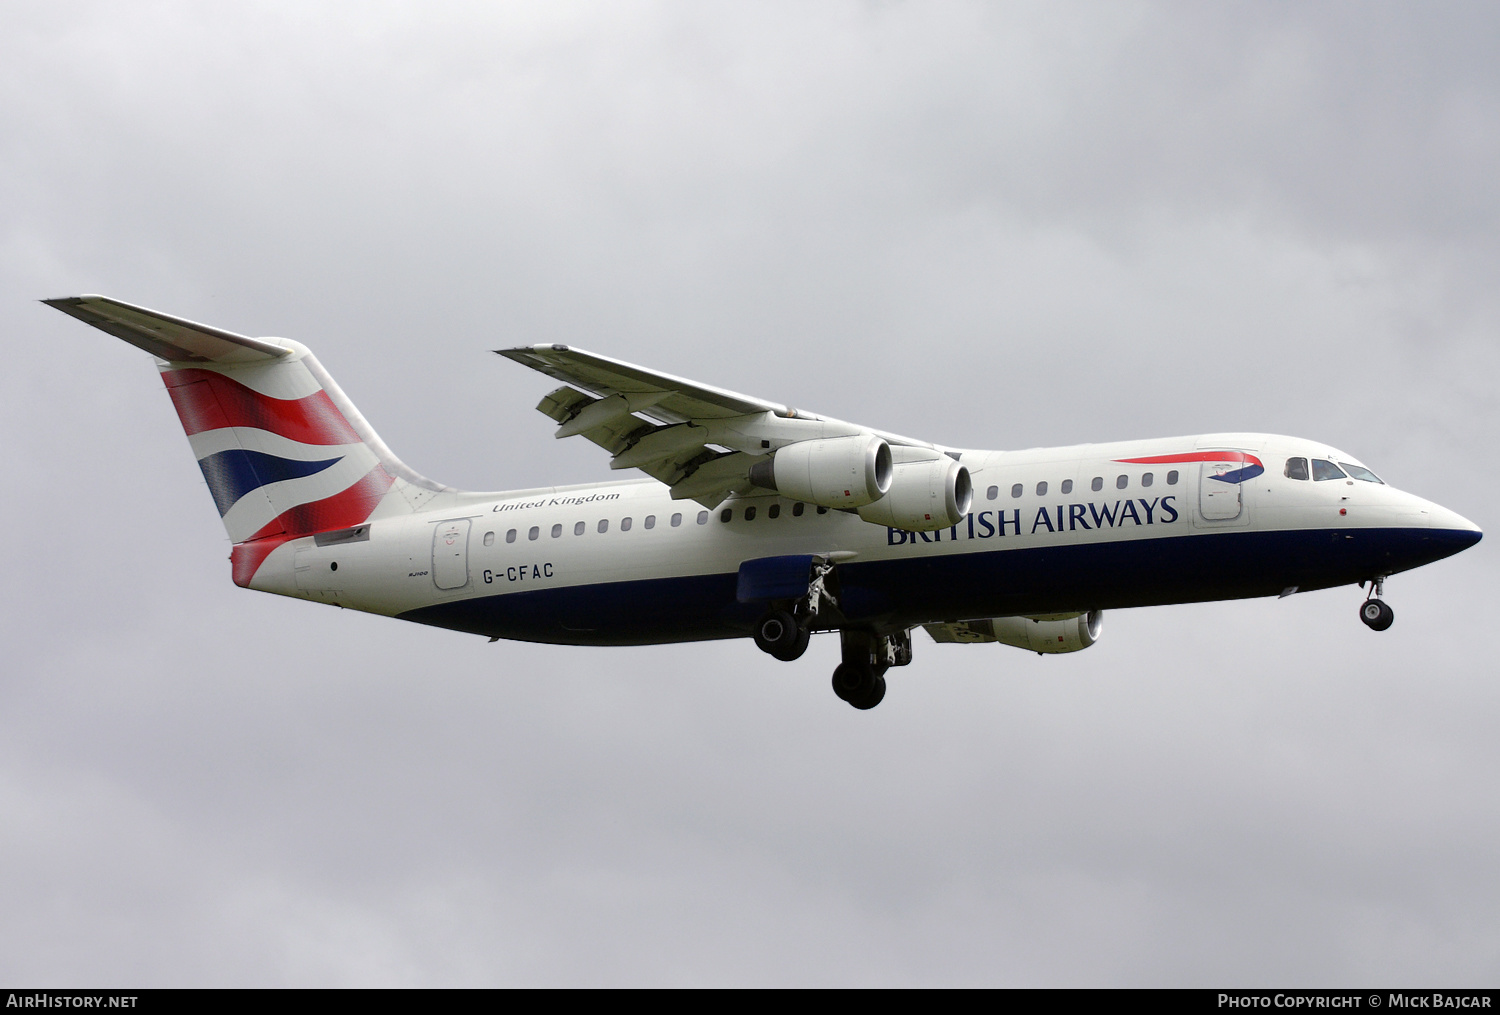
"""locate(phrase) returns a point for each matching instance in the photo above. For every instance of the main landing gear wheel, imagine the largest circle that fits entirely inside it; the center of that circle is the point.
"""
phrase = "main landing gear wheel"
(1376, 615)
(861, 686)
(778, 634)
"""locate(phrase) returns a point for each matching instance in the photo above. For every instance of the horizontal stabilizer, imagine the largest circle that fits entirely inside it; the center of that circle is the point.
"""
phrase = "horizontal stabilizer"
(166, 337)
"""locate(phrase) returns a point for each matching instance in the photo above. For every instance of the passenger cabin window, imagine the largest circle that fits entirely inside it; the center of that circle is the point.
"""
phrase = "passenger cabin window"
(798, 508)
(992, 493)
(1121, 482)
(774, 511)
(557, 530)
(726, 514)
(702, 517)
(1296, 468)
(676, 519)
(578, 529)
(1041, 488)
(1362, 474)
(1067, 486)
(1323, 471)
(750, 513)
(1148, 479)
(650, 521)
(625, 524)
(604, 525)
(510, 537)
(1097, 484)
(822, 510)
(1172, 478)
(1015, 491)
(489, 539)
(535, 531)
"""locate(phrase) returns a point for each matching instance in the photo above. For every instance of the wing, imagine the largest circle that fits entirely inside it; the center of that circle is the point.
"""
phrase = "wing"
(701, 441)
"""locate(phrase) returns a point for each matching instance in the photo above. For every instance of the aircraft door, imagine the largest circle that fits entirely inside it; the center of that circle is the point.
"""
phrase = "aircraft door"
(450, 554)
(1218, 497)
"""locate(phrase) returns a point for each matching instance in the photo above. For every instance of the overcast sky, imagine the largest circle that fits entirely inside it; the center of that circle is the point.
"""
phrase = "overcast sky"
(991, 226)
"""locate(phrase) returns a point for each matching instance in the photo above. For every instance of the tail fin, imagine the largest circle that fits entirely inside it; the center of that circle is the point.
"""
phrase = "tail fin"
(283, 450)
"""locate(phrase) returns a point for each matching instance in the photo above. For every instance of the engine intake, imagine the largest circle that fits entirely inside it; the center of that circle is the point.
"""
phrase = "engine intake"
(840, 472)
(935, 494)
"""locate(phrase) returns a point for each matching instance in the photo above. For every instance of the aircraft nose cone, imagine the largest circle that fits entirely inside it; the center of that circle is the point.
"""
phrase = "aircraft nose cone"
(1453, 530)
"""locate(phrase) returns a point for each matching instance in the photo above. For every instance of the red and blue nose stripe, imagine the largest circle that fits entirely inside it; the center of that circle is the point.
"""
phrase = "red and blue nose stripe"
(1249, 469)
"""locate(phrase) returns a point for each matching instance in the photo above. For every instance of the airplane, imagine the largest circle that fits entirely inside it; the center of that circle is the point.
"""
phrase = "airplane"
(755, 519)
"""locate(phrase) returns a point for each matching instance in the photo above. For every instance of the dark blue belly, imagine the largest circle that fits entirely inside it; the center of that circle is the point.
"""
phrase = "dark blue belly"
(919, 589)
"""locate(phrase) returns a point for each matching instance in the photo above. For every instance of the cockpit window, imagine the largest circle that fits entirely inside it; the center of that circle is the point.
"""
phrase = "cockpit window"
(1362, 474)
(1296, 468)
(1325, 470)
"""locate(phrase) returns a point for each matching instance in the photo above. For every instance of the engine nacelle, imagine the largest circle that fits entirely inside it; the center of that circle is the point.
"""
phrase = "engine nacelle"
(840, 472)
(935, 494)
(1068, 632)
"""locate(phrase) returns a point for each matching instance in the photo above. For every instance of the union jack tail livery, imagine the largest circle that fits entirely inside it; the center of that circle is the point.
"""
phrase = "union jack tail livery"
(283, 450)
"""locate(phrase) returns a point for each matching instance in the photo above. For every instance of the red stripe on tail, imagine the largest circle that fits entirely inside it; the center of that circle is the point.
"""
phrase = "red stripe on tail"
(206, 400)
(349, 507)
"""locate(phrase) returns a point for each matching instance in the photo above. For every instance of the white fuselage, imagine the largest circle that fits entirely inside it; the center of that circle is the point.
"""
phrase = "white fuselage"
(584, 563)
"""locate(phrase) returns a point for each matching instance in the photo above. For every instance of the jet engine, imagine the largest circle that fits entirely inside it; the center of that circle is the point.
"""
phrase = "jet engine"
(1046, 635)
(923, 496)
(840, 472)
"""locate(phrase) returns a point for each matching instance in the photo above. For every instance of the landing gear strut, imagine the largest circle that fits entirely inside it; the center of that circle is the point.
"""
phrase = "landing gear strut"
(1376, 615)
(784, 633)
(783, 630)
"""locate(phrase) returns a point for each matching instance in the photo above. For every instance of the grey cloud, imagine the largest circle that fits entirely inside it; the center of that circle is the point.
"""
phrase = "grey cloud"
(1005, 226)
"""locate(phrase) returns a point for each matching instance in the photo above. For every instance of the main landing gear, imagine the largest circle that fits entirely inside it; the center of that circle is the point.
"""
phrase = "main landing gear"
(779, 634)
(860, 678)
(1376, 615)
(784, 630)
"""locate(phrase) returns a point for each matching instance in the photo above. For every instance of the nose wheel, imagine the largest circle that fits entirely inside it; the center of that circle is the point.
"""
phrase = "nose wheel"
(1375, 614)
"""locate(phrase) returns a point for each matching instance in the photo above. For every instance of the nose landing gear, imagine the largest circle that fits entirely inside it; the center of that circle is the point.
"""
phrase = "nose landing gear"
(1377, 616)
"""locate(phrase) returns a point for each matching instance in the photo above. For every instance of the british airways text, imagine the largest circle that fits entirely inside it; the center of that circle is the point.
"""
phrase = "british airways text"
(1050, 518)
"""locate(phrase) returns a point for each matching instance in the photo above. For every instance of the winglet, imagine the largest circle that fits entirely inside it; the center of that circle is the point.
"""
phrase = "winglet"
(170, 338)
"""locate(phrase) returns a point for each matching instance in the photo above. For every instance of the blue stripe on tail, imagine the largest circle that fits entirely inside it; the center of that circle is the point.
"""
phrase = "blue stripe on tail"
(232, 474)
